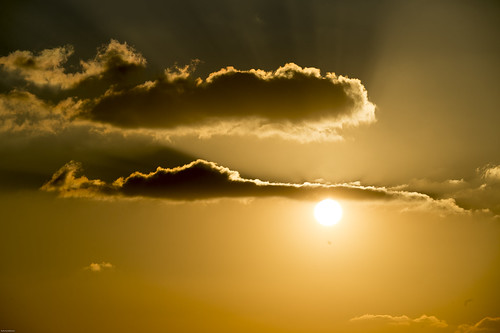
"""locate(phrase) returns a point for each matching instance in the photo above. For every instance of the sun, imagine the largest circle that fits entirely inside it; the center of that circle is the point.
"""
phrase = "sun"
(328, 212)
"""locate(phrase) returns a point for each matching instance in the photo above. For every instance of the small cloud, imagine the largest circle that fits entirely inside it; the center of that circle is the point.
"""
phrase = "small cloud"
(487, 324)
(95, 267)
(423, 322)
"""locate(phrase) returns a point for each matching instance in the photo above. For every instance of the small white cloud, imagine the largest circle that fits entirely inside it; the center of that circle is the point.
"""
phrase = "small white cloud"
(95, 267)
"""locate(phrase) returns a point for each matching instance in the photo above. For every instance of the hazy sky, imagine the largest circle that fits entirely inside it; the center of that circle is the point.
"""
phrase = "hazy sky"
(161, 161)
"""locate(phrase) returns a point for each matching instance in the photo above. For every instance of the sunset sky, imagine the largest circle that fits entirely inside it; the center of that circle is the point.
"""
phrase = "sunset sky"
(161, 162)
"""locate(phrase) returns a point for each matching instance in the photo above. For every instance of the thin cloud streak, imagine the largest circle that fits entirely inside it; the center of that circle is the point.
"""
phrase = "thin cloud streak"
(423, 321)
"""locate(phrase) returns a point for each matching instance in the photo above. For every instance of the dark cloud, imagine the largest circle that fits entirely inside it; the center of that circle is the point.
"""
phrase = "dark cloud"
(28, 160)
(200, 180)
(292, 100)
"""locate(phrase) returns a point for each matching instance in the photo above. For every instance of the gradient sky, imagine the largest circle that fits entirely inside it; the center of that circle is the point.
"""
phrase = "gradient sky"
(161, 160)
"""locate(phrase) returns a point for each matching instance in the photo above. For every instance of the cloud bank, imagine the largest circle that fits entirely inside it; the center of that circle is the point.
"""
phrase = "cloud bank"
(292, 102)
(201, 180)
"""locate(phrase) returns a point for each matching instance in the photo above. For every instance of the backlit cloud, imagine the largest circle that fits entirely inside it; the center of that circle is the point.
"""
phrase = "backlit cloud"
(293, 102)
(480, 192)
(46, 68)
(200, 180)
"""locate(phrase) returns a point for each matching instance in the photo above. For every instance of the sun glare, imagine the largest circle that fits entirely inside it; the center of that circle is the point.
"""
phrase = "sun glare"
(328, 212)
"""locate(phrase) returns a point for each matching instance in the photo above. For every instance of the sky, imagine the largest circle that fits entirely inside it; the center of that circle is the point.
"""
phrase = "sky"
(161, 162)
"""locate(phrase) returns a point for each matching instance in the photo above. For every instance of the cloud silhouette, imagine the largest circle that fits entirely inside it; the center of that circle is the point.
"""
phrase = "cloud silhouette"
(292, 101)
(201, 180)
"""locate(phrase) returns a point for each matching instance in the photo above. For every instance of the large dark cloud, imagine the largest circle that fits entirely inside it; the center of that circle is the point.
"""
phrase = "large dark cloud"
(200, 180)
(289, 95)
(294, 102)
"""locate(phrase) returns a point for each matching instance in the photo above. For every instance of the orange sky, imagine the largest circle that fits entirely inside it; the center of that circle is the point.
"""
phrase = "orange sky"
(161, 162)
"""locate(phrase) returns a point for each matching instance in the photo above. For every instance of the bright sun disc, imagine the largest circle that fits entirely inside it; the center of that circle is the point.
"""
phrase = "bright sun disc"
(328, 212)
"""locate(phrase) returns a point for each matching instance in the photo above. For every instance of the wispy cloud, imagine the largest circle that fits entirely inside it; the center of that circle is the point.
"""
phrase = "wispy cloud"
(422, 323)
(487, 324)
(46, 68)
(480, 192)
(22, 111)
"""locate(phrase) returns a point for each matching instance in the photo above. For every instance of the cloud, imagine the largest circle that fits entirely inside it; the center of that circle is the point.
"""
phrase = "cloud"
(95, 267)
(487, 324)
(21, 111)
(200, 180)
(294, 102)
(381, 320)
(479, 192)
(490, 173)
(46, 68)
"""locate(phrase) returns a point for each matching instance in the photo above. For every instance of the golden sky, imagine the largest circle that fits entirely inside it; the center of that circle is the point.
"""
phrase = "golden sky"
(161, 162)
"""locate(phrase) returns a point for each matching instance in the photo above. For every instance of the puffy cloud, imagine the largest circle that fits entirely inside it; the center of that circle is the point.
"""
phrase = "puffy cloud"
(423, 322)
(293, 102)
(47, 67)
(201, 180)
(491, 173)
(487, 324)
(95, 267)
